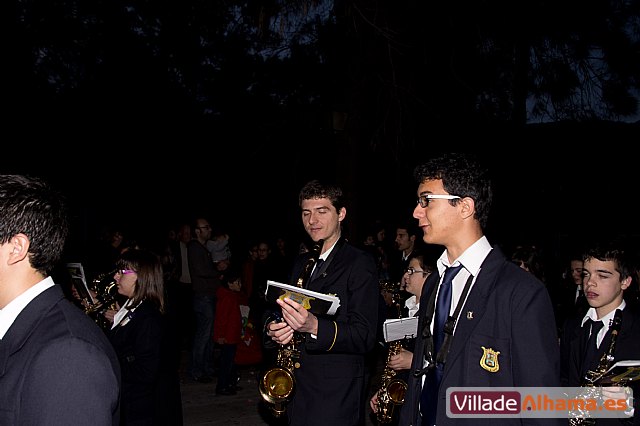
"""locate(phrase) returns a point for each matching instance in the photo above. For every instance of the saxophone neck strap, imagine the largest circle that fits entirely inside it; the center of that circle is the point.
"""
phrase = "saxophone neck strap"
(449, 327)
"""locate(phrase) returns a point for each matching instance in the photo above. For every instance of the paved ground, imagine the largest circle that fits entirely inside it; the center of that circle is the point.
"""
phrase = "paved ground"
(202, 407)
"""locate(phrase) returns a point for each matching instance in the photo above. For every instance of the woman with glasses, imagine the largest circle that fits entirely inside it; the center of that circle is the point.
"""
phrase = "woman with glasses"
(413, 279)
(139, 334)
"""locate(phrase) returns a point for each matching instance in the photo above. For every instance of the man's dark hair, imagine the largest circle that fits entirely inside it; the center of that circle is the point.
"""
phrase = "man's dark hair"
(316, 189)
(462, 175)
(31, 207)
(613, 251)
(411, 226)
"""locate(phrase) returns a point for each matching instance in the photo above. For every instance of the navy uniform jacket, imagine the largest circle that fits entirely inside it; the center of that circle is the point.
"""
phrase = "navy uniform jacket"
(149, 377)
(627, 347)
(330, 385)
(57, 367)
(508, 311)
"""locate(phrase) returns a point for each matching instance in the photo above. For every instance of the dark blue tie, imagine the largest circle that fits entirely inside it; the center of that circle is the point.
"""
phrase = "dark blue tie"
(429, 396)
(316, 270)
(592, 327)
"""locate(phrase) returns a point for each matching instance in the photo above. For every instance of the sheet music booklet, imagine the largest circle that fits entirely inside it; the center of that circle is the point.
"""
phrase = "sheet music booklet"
(76, 272)
(317, 303)
(622, 373)
(400, 328)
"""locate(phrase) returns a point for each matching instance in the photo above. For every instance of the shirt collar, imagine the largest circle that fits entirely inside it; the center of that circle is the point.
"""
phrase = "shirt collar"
(412, 302)
(10, 312)
(471, 258)
(606, 320)
(326, 254)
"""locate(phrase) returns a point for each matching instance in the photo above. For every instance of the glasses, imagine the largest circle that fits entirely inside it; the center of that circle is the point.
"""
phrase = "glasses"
(125, 271)
(410, 271)
(424, 199)
(204, 227)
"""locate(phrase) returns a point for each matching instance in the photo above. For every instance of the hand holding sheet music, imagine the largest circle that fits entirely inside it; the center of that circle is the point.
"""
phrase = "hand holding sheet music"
(314, 302)
(76, 272)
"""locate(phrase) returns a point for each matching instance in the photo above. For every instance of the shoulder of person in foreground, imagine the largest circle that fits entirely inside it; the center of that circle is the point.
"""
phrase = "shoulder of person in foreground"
(71, 380)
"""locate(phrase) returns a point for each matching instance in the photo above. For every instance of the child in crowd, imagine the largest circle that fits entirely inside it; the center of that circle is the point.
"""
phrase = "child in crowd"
(227, 331)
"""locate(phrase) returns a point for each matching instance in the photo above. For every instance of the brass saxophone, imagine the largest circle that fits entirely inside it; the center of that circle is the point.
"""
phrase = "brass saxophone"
(591, 378)
(277, 384)
(392, 390)
(106, 290)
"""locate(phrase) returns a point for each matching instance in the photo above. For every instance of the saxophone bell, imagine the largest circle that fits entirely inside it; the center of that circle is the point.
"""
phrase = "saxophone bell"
(276, 387)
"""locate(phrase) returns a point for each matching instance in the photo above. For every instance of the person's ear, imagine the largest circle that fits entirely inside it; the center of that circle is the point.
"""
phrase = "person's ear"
(626, 283)
(342, 213)
(19, 248)
(467, 207)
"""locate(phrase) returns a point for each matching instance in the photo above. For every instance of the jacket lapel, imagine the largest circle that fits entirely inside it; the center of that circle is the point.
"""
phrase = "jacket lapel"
(475, 305)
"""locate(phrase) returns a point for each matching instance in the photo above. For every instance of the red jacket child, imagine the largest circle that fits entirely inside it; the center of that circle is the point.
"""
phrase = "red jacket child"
(227, 325)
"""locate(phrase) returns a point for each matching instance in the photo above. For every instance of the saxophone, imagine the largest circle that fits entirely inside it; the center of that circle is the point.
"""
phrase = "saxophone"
(106, 291)
(392, 389)
(277, 384)
(591, 378)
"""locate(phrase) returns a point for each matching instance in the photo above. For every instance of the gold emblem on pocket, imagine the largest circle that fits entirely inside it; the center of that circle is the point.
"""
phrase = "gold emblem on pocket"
(489, 360)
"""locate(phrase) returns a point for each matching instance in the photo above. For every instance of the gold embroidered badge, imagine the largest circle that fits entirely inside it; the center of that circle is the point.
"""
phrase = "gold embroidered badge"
(489, 360)
(302, 299)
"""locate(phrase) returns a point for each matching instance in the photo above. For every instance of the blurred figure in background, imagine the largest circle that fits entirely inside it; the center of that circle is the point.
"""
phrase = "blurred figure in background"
(227, 330)
(205, 280)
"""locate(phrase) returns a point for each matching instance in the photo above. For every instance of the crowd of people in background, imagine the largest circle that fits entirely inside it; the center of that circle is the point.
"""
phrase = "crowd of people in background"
(198, 289)
(199, 257)
(208, 274)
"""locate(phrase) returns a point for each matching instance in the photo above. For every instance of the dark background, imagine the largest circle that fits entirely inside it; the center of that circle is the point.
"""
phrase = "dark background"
(548, 191)
(148, 113)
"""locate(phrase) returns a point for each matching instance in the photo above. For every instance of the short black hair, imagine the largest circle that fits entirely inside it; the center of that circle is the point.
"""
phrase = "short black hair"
(317, 189)
(462, 174)
(30, 206)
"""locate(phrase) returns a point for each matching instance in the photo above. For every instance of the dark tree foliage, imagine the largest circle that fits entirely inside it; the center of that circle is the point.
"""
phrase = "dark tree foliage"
(360, 88)
(391, 66)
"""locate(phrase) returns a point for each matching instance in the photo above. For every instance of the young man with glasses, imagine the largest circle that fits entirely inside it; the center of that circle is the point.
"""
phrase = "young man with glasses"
(496, 327)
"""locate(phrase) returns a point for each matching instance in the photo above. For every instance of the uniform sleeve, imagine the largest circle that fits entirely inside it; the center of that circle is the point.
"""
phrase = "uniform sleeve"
(535, 339)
